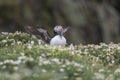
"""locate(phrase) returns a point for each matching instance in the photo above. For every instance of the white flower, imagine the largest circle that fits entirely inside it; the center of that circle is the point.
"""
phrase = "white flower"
(4, 41)
(65, 77)
(93, 64)
(79, 69)
(29, 46)
(22, 54)
(76, 74)
(97, 59)
(79, 78)
(72, 53)
(62, 70)
(56, 60)
(117, 71)
(43, 55)
(71, 47)
(113, 61)
(46, 62)
(21, 57)
(19, 42)
(44, 70)
(8, 61)
(101, 70)
(68, 62)
(39, 42)
(77, 64)
(32, 42)
(15, 68)
(1, 63)
(17, 62)
(30, 59)
(4, 33)
(63, 65)
(99, 76)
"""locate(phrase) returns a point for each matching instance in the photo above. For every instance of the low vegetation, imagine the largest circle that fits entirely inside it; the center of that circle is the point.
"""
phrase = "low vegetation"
(24, 57)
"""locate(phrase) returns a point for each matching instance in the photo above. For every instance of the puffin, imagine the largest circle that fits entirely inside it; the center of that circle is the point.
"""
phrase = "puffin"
(57, 39)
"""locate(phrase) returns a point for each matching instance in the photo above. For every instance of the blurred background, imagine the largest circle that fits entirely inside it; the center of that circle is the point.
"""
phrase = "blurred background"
(90, 21)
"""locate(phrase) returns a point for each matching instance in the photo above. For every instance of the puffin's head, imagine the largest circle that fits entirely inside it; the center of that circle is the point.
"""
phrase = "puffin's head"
(58, 30)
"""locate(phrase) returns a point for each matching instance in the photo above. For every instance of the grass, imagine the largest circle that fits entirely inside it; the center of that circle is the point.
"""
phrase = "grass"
(24, 57)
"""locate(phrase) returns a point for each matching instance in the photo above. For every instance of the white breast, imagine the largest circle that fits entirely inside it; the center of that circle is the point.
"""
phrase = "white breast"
(57, 40)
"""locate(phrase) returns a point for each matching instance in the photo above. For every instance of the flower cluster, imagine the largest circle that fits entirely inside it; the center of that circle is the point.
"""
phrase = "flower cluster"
(105, 53)
(8, 39)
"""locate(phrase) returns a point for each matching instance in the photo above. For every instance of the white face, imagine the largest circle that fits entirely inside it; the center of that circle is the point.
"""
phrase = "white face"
(58, 28)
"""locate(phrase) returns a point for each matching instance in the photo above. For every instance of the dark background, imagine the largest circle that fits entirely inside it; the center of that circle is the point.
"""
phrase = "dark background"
(90, 21)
